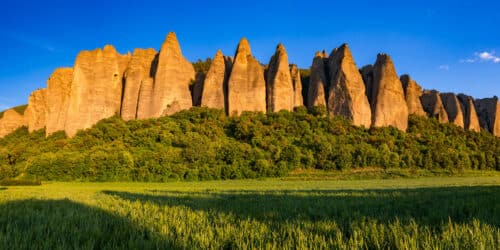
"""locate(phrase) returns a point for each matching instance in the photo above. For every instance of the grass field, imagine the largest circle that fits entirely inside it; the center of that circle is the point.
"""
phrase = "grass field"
(422, 213)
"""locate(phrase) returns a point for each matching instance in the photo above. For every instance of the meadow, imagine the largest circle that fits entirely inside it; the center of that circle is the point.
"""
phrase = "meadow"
(419, 213)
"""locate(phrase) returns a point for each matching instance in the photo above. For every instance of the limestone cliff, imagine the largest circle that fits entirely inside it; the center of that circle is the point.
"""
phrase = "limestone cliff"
(173, 76)
(36, 111)
(433, 105)
(58, 94)
(316, 94)
(488, 110)
(215, 83)
(279, 85)
(389, 104)
(413, 92)
(246, 86)
(346, 96)
(471, 120)
(137, 74)
(453, 109)
(96, 89)
(11, 121)
(367, 75)
(298, 99)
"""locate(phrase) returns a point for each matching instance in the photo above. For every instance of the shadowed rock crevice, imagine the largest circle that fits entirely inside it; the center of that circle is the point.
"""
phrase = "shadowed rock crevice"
(433, 105)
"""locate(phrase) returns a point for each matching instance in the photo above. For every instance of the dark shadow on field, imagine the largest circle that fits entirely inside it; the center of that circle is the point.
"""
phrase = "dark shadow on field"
(3, 188)
(63, 224)
(426, 206)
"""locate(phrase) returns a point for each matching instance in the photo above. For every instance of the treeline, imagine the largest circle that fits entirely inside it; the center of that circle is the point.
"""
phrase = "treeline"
(205, 144)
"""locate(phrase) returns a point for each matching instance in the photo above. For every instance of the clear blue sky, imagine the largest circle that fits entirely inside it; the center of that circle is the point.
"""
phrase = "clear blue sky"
(439, 44)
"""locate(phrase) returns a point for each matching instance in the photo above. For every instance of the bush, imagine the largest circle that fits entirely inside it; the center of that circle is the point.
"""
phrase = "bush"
(205, 144)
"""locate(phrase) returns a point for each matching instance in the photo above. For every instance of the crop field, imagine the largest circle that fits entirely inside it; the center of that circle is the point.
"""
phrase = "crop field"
(422, 213)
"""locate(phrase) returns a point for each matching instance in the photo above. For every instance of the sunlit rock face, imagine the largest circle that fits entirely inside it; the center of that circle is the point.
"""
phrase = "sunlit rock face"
(471, 119)
(347, 94)
(215, 84)
(246, 86)
(138, 85)
(389, 105)
(433, 105)
(11, 121)
(36, 112)
(280, 89)
(413, 92)
(488, 110)
(453, 109)
(174, 74)
(58, 94)
(318, 82)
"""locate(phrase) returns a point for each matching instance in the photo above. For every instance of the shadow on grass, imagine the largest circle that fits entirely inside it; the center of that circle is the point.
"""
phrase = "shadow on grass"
(3, 188)
(63, 224)
(426, 206)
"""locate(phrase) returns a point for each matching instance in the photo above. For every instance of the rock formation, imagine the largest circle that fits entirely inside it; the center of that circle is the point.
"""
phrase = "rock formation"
(137, 74)
(96, 89)
(174, 74)
(471, 120)
(413, 92)
(35, 113)
(148, 84)
(489, 114)
(389, 104)
(433, 105)
(347, 96)
(215, 84)
(453, 109)
(58, 93)
(246, 86)
(11, 121)
(367, 75)
(298, 99)
(316, 94)
(279, 85)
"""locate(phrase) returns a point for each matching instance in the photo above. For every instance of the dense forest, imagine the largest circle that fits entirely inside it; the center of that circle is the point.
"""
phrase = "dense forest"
(205, 144)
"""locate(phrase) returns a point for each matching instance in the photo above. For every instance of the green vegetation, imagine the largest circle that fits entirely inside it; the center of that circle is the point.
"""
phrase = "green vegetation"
(18, 109)
(424, 213)
(205, 144)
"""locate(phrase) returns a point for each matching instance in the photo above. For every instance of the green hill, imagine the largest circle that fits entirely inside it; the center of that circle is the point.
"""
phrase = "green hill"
(205, 144)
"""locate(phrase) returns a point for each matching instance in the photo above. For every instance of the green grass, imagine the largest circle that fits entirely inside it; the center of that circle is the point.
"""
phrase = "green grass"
(420, 213)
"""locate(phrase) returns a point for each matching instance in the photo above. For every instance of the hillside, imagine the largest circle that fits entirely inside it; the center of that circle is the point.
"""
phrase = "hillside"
(205, 144)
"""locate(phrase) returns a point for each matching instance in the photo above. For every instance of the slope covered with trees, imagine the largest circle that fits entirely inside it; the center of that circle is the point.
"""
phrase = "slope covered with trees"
(205, 144)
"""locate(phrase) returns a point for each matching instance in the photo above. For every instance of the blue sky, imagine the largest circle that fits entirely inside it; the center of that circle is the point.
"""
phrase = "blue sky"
(450, 45)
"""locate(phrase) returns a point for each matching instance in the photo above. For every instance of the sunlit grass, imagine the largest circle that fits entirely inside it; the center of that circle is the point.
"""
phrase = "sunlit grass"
(422, 213)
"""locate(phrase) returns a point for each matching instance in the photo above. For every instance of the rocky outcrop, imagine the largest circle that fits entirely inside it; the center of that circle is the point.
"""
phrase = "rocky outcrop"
(11, 121)
(488, 110)
(246, 86)
(367, 75)
(36, 111)
(413, 92)
(215, 83)
(453, 109)
(137, 74)
(347, 96)
(96, 89)
(389, 104)
(298, 99)
(174, 74)
(433, 105)
(58, 94)
(471, 120)
(279, 85)
(318, 82)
